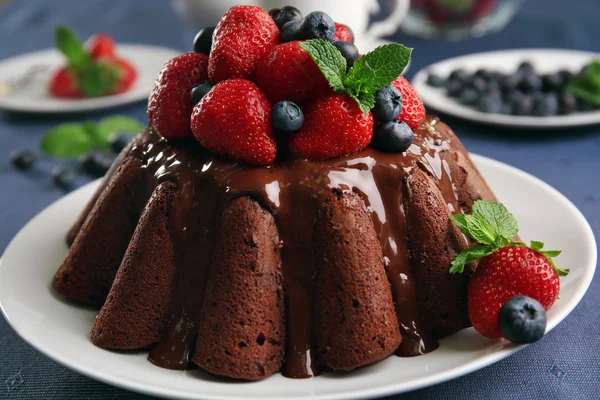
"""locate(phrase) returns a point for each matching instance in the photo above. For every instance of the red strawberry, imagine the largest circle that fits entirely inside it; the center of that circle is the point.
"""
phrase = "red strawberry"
(343, 32)
(234, 120)
(287, 72)
(413, 110)
(101, 46)
(64, 85)
(243, 36)
(508, 272)
(334, 126)
(480, 9)
(127, 76)
(170, 104)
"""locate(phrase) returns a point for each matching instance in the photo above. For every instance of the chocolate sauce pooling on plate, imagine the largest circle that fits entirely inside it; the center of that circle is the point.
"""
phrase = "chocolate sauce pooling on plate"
(292, 191)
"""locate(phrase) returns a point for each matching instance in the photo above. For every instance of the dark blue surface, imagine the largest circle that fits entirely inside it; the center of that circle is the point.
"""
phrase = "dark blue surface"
(564, 365)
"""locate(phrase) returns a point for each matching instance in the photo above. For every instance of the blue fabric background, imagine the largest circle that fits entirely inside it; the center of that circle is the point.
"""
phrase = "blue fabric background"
(565, 365)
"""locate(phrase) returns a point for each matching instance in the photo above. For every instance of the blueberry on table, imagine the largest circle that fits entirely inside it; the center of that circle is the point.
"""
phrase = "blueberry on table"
(199, 91)
(22, 159)
(469, 96)
(522, 320)
(118, 141)
(283, 15)
(459, 75)
(318, 25)
(63, 177)
(393, 137)
(203, 40)
(436, 80)
(348, 50)
(388, 104)
(546, 105)
(290, 32)
(552, 82)
(490, 103)
(287, 117)
(454, 88)
(95, 163)
(567, 103)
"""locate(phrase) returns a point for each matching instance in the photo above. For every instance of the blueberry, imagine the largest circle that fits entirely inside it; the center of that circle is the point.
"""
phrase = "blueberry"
(479, 84)
(566, 75)
(436, 80)
(567, 103)
(483, 74)
(318, 25)
(393, 137)
(469, 96)
(203, 40)
(546, 105)
(22, 159)
(95, 164)
(287, 117)
(199, 91)
(348, 50)
(290, 32)
(525, 68)
(506, 109)
(513, 97)
(388, 104)
(530, 82)
(493, 86)
(524, 106)
(459, 75)
(510, 82)
(63, 177)
(285, 14)
(552, 82)
(118, 141)
(490, 103)
(522, 320)
(454, 88)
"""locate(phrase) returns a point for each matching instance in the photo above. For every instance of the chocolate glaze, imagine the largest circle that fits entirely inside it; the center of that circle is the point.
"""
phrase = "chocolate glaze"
(291, 190)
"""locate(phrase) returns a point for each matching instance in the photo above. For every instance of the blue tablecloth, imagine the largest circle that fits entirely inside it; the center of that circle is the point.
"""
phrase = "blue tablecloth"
(565, 365)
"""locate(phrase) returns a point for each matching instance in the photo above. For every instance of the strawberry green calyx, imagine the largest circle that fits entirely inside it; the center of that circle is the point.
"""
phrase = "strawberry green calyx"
(94, 78)
(370, 73)
(492, 226)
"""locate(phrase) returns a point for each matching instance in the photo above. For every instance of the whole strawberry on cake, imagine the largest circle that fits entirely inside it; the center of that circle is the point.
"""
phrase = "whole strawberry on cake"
(291, 208)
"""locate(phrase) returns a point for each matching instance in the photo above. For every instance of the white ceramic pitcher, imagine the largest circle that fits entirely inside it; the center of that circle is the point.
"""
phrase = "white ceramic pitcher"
(354, 13)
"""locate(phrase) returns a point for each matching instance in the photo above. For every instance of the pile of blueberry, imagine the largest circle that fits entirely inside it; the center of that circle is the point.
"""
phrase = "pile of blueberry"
(93, 163)
(523, 92)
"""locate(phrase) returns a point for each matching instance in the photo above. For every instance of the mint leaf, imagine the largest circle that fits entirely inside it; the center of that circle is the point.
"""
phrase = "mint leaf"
(480, 230)
(98, 79)
(67, 141)
(586, 86)
(70, 45)
(469, 255)
(460, 220)
(117, 124)
(502, 223)
(329, 60)
(387, 62)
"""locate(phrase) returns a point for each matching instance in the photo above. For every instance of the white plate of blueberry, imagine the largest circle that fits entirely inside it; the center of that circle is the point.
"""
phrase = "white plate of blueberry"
(528, 88)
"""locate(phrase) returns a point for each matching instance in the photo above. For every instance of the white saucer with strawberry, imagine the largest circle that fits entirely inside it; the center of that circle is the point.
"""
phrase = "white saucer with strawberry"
(258, 81)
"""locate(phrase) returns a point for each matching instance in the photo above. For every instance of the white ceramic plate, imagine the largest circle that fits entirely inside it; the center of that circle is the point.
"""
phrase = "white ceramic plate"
(543, 60)
(34, 97)
(61, 330)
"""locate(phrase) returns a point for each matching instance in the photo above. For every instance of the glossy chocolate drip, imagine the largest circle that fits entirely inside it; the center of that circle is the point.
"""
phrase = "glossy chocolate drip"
(292, 191)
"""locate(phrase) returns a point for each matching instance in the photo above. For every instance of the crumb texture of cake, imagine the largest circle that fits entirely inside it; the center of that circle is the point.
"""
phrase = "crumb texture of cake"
(299, 267)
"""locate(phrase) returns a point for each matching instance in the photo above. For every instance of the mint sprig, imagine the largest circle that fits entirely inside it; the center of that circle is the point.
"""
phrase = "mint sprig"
(492, 226)
(71, 140)
(370, 73)
(95, 78)
(586, 85)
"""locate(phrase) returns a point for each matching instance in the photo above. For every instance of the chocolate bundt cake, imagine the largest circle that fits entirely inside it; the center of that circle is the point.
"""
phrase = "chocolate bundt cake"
(296, 267)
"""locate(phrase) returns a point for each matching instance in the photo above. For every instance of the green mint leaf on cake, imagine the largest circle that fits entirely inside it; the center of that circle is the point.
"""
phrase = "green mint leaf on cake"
(329, 60)
(72, 140)
(67, 141)
(586, 86)
(370, 73)
(492, 227)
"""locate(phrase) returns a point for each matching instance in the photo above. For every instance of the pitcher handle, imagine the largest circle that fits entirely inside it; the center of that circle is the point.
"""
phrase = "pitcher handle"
(389, 25)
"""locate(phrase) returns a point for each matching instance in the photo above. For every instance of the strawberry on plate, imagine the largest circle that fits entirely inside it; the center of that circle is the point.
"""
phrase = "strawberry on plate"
(92, 70)
(170, 103)
(506, 268)
(233, 120)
